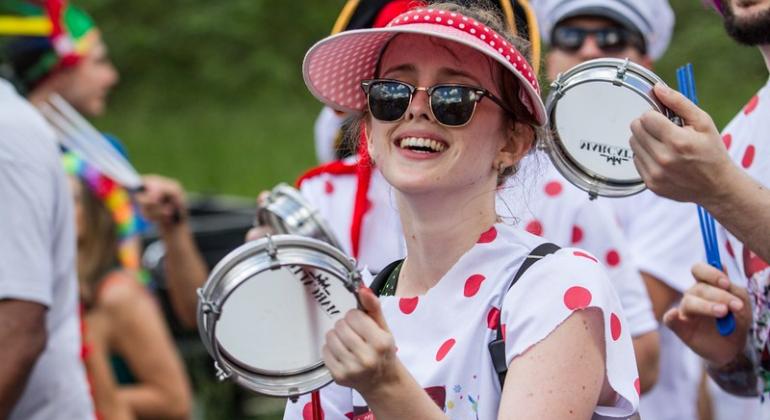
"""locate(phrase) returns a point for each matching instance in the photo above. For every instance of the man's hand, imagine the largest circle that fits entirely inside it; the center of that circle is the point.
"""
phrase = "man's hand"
(694, 319)
(687, 163)
(162, 201)
(259, 231)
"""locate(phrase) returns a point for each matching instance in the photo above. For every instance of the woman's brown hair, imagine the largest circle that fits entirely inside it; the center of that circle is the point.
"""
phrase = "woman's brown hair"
(97, 245)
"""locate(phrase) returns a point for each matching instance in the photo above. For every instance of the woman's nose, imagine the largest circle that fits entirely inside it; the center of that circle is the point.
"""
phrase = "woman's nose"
(419, 107)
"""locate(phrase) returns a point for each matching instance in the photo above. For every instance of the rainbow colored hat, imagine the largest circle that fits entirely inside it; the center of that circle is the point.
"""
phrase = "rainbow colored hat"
(118, 202)
(45, 37)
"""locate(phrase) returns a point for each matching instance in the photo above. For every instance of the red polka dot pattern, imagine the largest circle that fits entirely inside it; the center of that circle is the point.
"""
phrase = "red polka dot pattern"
(328, 187)
(615, 327)
(638, 386)
(577, 234)
(493, 318)
(535, 227)
(612, 258)
(408, 305)
(729, 248)
(577, 297)
(307, 412)
(727, 139)
(488, 236)
(748, 156)
(751, 106)
(444, 349)
(585, 255)
(473, 284)
(553, 188)
(502, 331)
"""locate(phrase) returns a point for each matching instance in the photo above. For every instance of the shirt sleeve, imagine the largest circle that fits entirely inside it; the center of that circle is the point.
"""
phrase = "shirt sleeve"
(596, 231)
(26, 215)
(336, 403)
(561, 283)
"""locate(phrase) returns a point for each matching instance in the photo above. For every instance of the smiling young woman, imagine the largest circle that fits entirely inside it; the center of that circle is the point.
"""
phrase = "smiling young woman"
(449, 105)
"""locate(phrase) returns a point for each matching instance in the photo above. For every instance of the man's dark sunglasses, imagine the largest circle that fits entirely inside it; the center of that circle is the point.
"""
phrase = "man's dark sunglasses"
(452, 105)
(613, 39)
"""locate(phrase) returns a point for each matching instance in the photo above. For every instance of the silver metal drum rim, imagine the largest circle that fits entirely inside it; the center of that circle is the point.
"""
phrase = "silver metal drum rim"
(310, 378)
(267, 215)
(575, 172)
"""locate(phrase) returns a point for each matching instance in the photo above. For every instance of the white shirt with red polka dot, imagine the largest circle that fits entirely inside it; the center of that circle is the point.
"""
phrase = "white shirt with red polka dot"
(747, 141)
(442, 336)
(542, 202)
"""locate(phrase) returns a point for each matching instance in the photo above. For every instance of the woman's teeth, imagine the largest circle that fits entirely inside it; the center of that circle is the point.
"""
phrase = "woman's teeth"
(419, 144)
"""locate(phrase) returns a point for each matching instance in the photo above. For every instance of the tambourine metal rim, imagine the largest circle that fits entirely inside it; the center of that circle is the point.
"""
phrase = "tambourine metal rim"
(229, 274)
(606, 70)
(269, 214)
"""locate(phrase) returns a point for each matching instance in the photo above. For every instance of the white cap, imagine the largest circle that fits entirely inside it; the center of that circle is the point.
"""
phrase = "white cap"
(653, 19)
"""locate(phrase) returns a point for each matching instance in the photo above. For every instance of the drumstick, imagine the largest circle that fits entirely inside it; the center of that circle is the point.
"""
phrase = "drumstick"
(79, 136)
(725, 324)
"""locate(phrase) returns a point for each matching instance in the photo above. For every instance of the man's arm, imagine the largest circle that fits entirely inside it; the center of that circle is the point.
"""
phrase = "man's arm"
(23, 337)
(185, 270)
(691, 163)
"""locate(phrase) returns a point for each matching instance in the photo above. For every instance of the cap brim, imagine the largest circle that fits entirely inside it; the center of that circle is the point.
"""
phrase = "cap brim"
(335, 66)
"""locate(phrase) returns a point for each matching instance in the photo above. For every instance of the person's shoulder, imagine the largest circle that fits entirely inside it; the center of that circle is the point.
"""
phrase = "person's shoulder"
(119, 293)
(24, 134)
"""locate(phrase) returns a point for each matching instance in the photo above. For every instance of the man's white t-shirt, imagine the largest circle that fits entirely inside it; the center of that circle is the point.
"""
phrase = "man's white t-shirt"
(746, 139)
(442, 336)
(37, 258)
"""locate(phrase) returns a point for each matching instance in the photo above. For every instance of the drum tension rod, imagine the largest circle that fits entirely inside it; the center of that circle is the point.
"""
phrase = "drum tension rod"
(206, 306)
(621, 75)
(272, 252)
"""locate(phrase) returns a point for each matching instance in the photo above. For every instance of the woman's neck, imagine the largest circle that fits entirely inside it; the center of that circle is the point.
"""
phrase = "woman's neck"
(439, 228)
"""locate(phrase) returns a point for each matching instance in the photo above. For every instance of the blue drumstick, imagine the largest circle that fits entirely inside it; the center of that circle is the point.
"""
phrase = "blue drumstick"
(725, 324)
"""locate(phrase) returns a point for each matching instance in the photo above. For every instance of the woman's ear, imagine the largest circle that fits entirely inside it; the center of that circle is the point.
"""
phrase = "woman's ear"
(520, 138)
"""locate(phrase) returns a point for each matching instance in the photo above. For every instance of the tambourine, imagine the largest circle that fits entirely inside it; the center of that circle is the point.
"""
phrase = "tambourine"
(287, 212)
(266, 307)
(590, 109)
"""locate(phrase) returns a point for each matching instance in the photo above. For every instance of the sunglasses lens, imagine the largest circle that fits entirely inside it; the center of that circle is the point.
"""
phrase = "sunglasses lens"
(568, 38)
(453, 105)
(388, 101)
(612, 39)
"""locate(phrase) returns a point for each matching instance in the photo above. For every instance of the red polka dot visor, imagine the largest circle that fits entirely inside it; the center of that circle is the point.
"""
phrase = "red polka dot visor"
(335, 66)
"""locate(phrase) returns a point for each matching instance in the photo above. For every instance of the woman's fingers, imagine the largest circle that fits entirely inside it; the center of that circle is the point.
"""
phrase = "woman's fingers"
(371, 305)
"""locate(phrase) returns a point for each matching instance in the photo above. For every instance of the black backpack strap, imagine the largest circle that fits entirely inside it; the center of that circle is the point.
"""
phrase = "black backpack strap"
(382, 277)
(497, 346)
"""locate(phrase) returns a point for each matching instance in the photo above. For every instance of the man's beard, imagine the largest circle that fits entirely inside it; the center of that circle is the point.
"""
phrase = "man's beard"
(753, 30)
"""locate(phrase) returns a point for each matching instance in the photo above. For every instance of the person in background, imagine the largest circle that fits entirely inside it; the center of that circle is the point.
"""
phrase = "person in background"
(727, 174)
(85, 83)
(121, 315)
(42, 375)
(663, 235)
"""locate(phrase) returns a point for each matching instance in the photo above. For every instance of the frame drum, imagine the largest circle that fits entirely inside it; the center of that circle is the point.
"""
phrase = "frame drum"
(590, 109)
(287, 212)
(265, 309)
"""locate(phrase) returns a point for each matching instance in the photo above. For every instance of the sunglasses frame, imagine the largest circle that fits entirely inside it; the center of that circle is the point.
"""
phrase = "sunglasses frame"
(629, 39)
(480, 93)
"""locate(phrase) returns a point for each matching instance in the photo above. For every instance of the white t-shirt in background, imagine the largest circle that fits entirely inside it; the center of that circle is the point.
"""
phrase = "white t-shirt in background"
(37, 258)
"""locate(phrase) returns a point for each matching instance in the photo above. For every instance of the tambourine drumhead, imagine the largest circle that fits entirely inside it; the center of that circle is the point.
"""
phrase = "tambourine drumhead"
(591, 108)
(287, 212)
(266, 308)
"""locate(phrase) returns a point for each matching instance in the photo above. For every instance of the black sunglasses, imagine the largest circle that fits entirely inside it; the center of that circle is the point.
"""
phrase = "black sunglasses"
(452, 105)
(613, 39)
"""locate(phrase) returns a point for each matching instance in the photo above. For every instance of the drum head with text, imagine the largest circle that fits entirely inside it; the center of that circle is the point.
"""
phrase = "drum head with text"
(591, 108)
